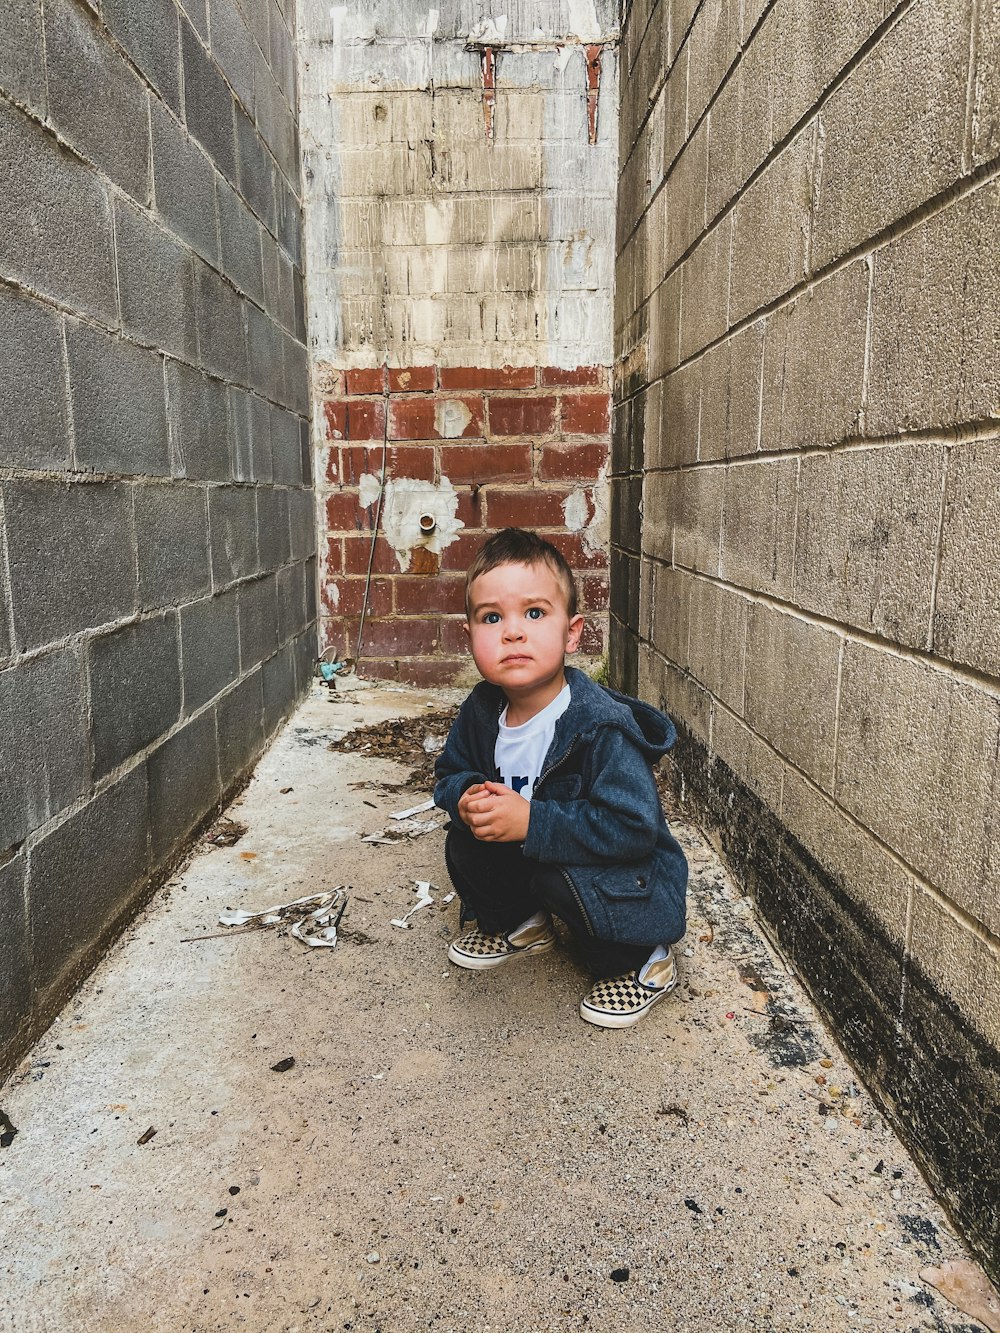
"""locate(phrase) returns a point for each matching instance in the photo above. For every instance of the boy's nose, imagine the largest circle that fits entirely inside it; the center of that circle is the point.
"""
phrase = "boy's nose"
(513, 631)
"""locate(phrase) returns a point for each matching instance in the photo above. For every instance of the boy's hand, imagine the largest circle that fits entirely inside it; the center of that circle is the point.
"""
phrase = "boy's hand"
(495, 813)
(467, 796)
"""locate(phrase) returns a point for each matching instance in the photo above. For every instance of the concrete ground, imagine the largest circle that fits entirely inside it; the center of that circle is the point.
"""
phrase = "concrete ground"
(450, 1150)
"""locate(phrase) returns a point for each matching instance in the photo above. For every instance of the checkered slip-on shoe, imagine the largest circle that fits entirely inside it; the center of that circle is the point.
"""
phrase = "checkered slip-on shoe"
(618, 1002)
(476, 950)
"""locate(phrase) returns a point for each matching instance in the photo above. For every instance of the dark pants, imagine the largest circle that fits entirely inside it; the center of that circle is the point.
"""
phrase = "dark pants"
(500, 887)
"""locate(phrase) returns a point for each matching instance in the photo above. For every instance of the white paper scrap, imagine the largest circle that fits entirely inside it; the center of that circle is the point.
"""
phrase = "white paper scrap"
(424, 899)
(418, 826)
(314, 917)
(403, 828)
(414, 810)
(270, 916)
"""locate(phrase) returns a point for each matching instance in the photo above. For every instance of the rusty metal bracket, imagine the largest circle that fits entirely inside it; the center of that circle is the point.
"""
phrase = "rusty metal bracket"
(593, 90)
(489, 69)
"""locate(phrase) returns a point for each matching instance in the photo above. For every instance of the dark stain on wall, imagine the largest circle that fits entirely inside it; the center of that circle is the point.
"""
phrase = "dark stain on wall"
(937, 1080)
(628, 434)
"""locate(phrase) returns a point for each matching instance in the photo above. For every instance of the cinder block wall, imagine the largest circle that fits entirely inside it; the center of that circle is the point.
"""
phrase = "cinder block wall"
(808, 283)
(460, 175)
(156, 527)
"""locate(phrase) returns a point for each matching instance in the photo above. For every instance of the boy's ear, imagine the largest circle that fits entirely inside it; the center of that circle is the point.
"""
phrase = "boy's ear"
(573, 634)
(465, 628)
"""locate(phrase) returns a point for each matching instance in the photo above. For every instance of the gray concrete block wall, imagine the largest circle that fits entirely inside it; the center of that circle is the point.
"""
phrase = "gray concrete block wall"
(157, 537)
(807, 350)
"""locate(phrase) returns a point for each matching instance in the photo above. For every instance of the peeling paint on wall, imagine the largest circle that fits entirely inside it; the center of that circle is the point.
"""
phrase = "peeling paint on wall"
(588, 513)
(597, 533)
(583, 20)
(451, 417)
(338, 13)
(369, 489)
(492, 29)
(415, 513)
(576, 509)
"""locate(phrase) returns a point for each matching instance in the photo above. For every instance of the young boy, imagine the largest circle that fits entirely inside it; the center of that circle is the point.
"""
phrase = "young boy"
(548, 781)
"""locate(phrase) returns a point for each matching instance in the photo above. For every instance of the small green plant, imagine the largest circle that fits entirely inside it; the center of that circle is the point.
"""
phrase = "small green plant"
(599, 670)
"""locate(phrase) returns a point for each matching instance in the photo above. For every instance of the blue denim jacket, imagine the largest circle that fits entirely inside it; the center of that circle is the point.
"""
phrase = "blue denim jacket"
(595, 812)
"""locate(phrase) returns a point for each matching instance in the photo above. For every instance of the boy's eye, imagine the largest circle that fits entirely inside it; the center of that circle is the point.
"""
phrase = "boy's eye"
(491, 618)
(535, 613)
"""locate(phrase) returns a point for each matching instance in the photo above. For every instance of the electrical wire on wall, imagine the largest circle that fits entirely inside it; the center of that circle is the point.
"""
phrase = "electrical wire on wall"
(378, 513)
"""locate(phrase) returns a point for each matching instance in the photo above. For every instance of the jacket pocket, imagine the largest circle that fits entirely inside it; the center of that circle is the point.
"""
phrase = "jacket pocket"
(563, 789)
(620, 882)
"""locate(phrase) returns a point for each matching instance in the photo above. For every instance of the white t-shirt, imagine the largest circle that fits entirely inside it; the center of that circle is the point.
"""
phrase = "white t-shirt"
(520, 751)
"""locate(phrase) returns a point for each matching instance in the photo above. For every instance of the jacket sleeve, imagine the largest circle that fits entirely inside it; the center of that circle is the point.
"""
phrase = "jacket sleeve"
(456, 768)
(617, 819)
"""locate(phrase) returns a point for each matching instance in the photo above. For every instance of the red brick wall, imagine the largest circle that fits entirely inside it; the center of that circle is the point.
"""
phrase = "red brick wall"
(535, 435)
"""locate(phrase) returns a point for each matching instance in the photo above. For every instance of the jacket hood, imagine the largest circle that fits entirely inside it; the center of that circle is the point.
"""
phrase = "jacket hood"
(594, 705)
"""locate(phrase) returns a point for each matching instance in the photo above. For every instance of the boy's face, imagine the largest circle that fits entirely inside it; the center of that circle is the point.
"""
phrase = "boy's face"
(520, 630)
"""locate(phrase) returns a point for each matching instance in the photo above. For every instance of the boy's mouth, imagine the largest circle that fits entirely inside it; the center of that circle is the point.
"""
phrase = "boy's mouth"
(512, 659)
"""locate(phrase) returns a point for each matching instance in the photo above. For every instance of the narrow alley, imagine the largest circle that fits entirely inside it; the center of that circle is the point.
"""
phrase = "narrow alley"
(302, 303)
(448, 1151)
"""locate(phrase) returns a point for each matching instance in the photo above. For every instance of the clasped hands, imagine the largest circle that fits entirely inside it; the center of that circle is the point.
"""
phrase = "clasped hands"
(495, 813)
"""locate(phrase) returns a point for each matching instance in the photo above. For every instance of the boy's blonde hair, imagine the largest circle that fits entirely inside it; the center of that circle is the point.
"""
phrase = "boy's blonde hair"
(515, 546)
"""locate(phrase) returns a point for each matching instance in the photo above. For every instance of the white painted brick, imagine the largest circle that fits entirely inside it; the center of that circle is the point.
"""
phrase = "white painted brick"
(519, 115)
(374, 118)
(452, 66)
(378, 67)
(390, 169)
(571, 161)
(488, 168)
(457, 117)
(494, 268)
(581, 263)
(420, 232)
(415, 321)
(571, 212)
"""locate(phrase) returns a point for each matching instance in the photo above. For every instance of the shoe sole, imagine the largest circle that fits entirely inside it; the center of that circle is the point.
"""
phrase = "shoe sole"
(476, 963)
(601, 1019)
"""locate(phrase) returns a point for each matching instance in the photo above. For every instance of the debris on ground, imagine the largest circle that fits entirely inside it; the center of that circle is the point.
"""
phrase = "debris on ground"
(404, 825)
(283, 1066)
(144, 1138)
(225, 833)
(967, 1287)
(424, 899)
(406, 740)
(414, 810)
(404, 828)
(7, 1130)
(314, 919)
